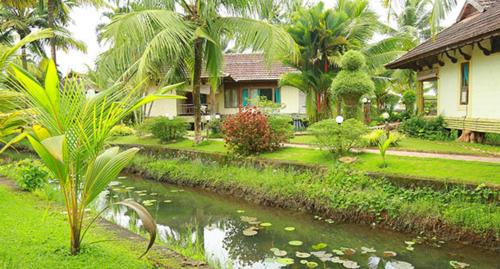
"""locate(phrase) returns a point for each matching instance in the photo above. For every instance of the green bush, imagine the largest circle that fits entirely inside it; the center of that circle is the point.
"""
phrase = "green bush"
(167, 129)
(426, 128)
(338, 138)
(215, 127)
(121, 130)
(409, 99)
(281, 129)
(352, 82)
(32, 174)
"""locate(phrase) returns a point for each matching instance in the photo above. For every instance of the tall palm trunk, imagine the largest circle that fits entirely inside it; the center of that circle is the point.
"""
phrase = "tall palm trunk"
(51, 6)
(198, 60)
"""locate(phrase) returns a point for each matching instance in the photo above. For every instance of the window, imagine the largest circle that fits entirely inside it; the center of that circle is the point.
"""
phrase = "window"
(464, 85)
(231, 98)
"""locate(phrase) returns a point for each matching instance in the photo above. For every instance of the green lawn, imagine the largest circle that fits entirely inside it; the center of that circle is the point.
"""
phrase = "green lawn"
(437, 169)
(421, 145)
(31, 239)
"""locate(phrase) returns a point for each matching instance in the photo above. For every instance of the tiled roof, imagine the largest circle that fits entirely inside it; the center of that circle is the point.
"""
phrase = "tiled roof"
(252, 66)
(462, 33)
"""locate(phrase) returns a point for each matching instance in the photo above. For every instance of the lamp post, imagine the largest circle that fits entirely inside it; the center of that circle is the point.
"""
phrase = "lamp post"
(207, 119)
(366, 110)
(339, 119)
(386, 116)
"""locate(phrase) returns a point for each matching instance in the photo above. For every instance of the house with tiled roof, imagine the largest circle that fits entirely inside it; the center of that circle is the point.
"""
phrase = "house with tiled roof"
(464, 60)
(245, 76)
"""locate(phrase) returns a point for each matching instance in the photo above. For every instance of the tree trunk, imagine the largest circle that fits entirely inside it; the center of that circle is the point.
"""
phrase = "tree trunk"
(24, 59)
(198, 59)
(51, 5)
(75, 241)
(469, 136)
(213, 102)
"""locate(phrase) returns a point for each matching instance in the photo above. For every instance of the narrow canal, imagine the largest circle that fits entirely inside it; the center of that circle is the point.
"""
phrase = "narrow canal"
(220, 228)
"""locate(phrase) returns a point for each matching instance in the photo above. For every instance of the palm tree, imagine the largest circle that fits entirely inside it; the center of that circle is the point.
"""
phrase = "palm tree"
(323, 36)
(69, 135)
(192, 39)
(438, 10)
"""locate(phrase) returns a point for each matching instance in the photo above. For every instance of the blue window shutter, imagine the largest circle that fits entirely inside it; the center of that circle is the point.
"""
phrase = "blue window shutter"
(277, 95)
(244, 97)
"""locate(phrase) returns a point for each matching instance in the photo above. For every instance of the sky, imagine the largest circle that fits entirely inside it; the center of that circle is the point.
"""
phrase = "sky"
(86, 19)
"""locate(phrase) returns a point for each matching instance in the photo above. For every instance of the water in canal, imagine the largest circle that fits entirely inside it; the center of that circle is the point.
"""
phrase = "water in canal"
(217, 225)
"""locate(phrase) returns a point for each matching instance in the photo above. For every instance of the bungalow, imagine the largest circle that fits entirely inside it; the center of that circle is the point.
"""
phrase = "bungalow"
(464, 59)
(245, 77)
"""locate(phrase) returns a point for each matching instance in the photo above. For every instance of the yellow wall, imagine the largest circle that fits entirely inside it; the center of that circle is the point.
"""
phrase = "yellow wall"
(484, 87)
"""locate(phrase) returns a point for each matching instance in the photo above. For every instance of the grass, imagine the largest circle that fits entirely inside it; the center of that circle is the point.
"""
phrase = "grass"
(433, 169)
(33, 239)
(340, 190)
(422, 145)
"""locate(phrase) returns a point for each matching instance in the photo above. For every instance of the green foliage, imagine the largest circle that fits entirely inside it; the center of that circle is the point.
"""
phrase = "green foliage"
(281, 129)
(121, 130)
(427, 128)
(352, 82)
(409, 99)
(383, 141)
(342, 190)
(338, 138)
(267, 107)
(167, 129)
(32, 174)
(215, 126)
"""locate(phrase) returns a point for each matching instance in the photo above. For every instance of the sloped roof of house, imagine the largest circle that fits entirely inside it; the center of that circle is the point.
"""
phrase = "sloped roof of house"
(467, 31)
(252, 66)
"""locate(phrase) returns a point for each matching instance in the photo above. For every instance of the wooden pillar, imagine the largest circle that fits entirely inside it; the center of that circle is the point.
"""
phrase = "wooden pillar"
(420, 97)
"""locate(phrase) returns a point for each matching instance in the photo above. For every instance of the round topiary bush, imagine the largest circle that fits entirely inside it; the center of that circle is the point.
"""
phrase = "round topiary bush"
(352, 82)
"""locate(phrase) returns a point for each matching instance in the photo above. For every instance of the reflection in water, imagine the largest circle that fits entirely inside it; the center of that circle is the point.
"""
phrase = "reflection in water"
(211, 225)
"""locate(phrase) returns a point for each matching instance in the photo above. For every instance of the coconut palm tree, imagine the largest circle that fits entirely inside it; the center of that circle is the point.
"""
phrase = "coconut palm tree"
(69, 135)
(323, 35)
(188, 36)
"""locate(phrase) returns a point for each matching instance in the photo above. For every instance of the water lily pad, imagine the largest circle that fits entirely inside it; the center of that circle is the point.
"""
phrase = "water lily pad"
(410, 248)
(273, 249)
(295, 243)
(318, 253)
(114, 183)
(348, 251)
(388, 254)
(336, 260)
(459, 265)
(330, 221)
(365, 250)
(285, 261)
(174, 191)
(250, 231)
(130, 188)
(338, 252)
(398, 265)
(279, 253)
(326, 257)
(248, 219)
(153, 194)
(168, 201)
(240, 211)
(289, 229)
(373, 262)
(303, 255)
(319, 246)
(265, 224)
(142, 194)
(410, 243)
(122, 177)
(303, 261)
(311, 264)
(350, 264)
(254, 222)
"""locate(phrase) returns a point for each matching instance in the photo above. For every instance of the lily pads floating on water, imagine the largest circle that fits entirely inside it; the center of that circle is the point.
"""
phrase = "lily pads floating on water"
(130, 188)
(350, 264)
(265, 224)
(289, 229)
(240, 211)
(348, 251)
(279, 253)
(398, 265)
(303, 261)
(338, 252)
(248, 219)
(389, 254)
(114, 183)
(168, 201)
(285, 261)
(250, 231)
(153, 194)
(365, 250)
(312, 264)
(302, 255)
(459, 265)
(319, 246)
(295, 243)
(122, 177)
(410, 248)
(329, 221)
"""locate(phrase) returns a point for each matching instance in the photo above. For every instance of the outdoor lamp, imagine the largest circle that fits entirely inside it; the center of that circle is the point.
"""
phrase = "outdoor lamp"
(385, 116)
(339, 119)
(207, 117)
(365, 100)
(217, 116)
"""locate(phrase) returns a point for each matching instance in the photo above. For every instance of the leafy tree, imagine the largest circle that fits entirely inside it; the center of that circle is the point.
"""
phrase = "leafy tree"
(339, 139)
(192, 39)
(352, 82)
(69, 135)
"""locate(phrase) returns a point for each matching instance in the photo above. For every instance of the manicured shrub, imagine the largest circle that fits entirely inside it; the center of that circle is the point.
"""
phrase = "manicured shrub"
(121, 130)
(167, 129)
(31, 174)
(248, 132)
(338, 138)
(352, 82)
(281, 130)
(215, 127)
(426, 128)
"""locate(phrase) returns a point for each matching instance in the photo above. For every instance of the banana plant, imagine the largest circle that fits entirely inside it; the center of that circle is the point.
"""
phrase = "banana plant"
(69, 135)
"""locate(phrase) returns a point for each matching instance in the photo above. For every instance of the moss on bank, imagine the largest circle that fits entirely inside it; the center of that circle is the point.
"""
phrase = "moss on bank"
(456, 213)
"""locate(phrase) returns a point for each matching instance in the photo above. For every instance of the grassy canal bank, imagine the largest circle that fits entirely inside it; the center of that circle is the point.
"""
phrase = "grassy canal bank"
(455, 213)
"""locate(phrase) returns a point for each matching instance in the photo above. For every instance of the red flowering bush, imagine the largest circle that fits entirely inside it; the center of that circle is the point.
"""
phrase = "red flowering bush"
(248, 132)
